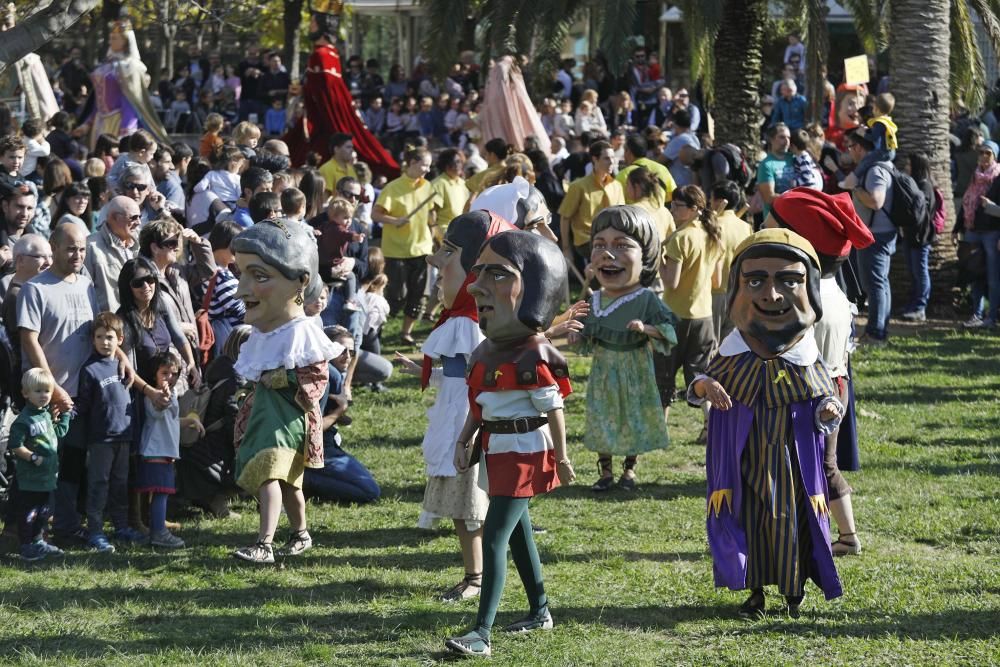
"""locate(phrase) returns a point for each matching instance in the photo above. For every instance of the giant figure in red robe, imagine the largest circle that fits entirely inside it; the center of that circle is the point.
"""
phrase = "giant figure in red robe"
(328, 104)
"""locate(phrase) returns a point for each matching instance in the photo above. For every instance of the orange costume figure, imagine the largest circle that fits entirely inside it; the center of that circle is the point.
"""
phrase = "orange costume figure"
(329, 108)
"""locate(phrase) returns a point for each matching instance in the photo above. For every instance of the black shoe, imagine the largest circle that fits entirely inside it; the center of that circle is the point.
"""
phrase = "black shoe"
(377, 387)
(753, 608)
(793, 601)
(538, 530)
(603, 484)
(627, 483)
(344, 420)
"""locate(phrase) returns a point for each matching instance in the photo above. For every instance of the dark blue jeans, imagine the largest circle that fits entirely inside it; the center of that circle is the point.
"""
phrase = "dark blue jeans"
(989, 242)
(918, 261)
(341, 479)
(875, 261)
(352, 320)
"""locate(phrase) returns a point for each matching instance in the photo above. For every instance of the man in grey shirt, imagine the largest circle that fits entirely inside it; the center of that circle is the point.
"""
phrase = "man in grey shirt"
(55, 310)
(873, 202)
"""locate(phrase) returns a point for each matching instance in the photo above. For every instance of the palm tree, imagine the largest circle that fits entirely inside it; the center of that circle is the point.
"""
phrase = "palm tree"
(538, 29)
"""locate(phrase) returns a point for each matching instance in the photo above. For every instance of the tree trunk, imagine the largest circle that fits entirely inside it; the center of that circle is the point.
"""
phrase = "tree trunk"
(919, 74)
(292, 21)
(738, 73)
(38, 29)
(818, 52)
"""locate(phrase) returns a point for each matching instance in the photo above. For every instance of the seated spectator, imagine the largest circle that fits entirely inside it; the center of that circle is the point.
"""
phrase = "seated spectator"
(225, 310)
(141, 148)
(218, 189)
(205, 470)
(211, 141)
(167, 182)
(342, 477)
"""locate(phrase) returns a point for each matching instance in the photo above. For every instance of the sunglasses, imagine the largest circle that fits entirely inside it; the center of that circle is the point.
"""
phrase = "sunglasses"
(138, 187)
(139, 282)
(170, 244)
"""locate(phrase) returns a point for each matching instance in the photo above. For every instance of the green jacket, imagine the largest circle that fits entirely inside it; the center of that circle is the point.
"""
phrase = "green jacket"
(35, 429)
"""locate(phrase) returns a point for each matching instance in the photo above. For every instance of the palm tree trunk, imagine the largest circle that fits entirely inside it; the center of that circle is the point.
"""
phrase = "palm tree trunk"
(737, 75)
(39, 28)
(919, 74)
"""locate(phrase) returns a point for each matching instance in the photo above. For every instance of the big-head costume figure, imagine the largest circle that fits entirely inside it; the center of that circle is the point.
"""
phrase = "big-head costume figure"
(773, 402)
(121, 100)
(279, 428)
(451, 494)
(328, 106)
(517, 382)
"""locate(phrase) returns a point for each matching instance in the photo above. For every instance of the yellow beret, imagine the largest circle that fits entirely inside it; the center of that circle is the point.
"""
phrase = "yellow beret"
(778, 236)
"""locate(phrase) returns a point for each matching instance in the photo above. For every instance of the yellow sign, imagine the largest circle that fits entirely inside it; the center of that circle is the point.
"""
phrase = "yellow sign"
(856, 70)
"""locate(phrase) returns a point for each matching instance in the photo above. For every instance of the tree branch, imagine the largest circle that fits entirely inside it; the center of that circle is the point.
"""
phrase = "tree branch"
(41, 27)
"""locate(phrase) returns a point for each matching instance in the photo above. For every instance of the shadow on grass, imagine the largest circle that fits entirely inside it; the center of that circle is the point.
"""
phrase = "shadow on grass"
(554, 556)
(645, 491)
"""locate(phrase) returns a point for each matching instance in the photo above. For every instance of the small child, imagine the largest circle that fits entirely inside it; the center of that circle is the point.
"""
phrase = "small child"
(335, 236)
(316, 305)
(245, 136)
(105, 406)
(274, 119)
(34, 440)
(376, 312)
(141, 146)
(795, 48)
(159, 447)
(883, 134)
(177, 111)
(211, 141)
(806, 172)
(35, 146)
(293, 204)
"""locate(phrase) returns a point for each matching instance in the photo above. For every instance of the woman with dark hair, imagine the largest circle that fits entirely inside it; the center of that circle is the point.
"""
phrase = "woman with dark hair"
(495, 152)
(74, 206)
(547, 183)
(690, 270)
(917, 243)
(55, 178)
(726, 198)
(106, 149)
(150, 326)
(162, 242)
(313, 187)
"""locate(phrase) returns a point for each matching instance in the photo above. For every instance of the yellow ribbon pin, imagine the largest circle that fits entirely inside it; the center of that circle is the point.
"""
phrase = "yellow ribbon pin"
(497, 374)
(818, 503)
(716, 499)
(782, 375)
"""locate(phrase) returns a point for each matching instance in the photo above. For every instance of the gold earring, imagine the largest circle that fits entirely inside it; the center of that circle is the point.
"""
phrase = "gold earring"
(298, 298)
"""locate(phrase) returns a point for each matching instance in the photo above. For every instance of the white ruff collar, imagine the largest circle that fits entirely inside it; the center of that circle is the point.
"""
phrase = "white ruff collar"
(803, 353)
(294, 344)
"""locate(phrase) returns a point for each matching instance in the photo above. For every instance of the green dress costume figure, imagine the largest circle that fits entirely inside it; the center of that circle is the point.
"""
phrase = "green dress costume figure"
(624, 415)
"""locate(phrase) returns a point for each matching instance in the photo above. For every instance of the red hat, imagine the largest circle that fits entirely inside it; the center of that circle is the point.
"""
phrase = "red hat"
(829, 222)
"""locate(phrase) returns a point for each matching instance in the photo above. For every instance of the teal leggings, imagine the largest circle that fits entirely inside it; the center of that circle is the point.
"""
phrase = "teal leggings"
(507, 522)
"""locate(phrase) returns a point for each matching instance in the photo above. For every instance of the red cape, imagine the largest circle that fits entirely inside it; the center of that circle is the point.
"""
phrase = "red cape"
(329, 110)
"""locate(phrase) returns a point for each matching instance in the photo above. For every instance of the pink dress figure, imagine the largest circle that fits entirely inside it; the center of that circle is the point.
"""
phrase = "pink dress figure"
(507, 111)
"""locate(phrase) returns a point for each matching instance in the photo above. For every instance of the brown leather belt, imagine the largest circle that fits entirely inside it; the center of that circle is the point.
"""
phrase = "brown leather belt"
(520, 425)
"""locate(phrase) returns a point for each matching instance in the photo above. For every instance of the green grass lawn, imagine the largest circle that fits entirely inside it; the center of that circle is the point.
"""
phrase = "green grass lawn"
(629, 577)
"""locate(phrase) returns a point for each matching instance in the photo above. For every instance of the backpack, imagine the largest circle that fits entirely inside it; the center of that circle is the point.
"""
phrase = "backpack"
(940, 214)
(739, 170)
(195, 402)
(909, 205)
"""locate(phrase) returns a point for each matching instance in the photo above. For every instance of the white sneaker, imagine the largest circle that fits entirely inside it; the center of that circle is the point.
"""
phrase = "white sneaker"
(915, 316)
(296, 544)
(974, 322)
(261, 553)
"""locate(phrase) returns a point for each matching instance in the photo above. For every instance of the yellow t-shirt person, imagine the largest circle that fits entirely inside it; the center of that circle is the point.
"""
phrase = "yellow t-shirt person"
(452, 198)
(692, 300)
(332, 171)
(399, 198)
(585, 198)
